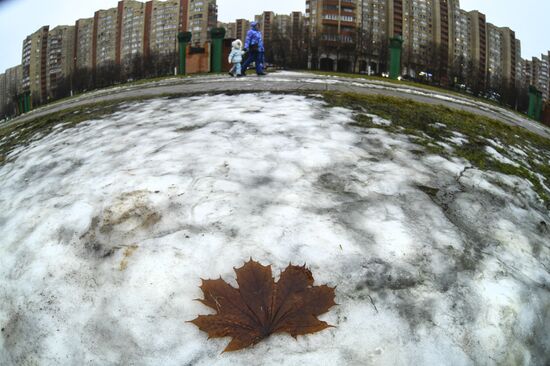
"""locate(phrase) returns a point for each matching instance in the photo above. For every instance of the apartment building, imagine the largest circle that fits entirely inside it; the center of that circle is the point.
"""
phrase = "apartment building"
(60, 56)
(462, 47)
(242, 27)
(130, 33)
(519, 64)
(162, 23)
(527, 72)
(203, 16)
(34, 78)
(84, 35)
(495, 44)
(231, 30)
(281, 24)
(14, 77)
(266, 21)
(540, 74)
(12, 87)
(373, 22)
(3, 95)
(332, 21)
(104, 40)
(509, 55)
(418, 35)
(297, 27)
(444, 32)
(478, 45)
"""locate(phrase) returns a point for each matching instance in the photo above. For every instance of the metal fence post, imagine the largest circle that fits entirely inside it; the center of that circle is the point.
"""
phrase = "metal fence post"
(217, 35)
(183, 39)
(396, 44)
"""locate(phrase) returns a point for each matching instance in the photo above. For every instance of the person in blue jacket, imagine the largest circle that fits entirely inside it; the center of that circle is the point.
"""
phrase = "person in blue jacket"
(254, 45)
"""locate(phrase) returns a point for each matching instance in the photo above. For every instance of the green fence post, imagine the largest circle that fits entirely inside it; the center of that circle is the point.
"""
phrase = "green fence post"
(27, 99)
(396, 44)
(217, 35)
(20, 104)
(183, 39)
(539, 107)
(535, 103)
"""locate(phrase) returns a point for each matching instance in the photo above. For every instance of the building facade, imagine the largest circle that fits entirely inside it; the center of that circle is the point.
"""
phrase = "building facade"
(130, 34)
(60, 57)
(281, 25)
(242, 27)
(3, 95)
(104, 39)
(12, 87)
(84, 35)
(540, 74)
(203, 16)
(34, 64)
(266, 20)
(162, 23)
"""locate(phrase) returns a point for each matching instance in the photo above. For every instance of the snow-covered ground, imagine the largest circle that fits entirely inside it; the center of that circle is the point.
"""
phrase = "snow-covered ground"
(108, 227)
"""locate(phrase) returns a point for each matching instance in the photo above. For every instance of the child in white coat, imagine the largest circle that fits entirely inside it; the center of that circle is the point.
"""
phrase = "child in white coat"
(236, 57)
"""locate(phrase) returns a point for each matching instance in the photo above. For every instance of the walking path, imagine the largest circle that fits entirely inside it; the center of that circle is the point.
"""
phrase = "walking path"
(285, 81)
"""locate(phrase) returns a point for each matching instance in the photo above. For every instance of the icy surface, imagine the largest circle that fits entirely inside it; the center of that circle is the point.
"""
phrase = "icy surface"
(108, 227)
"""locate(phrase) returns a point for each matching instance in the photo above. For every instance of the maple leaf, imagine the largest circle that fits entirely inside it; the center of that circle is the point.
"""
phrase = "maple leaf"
(261, 306)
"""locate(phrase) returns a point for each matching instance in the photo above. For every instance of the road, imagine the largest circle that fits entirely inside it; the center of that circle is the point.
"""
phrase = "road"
(285, 81)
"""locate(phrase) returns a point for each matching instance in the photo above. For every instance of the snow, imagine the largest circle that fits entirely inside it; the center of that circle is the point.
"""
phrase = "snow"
(108, 227)
(457, 140)
(499, 157)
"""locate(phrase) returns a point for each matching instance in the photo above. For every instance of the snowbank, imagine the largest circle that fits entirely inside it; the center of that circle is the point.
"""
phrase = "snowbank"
(108, 227)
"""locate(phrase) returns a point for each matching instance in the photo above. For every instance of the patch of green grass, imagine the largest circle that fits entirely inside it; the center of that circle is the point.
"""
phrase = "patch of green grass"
(420, 86)
(428, 124)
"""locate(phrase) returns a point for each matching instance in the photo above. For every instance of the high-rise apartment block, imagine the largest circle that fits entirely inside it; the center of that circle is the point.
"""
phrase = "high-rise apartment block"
(540, 74)
(281, 25)
(333, 21)
(130, 34)
(3, 95)
(436, 34)
(112, 36)
(60, 56)
(242, 26)
(373, 22)
(230, 29)
(34, 59)
(84, 35)
(163, 20)
(203, 16)
(266, 20)
(104, 39)
(10, 86)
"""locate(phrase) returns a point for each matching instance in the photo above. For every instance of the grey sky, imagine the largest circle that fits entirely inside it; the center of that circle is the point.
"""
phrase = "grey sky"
(19, 18)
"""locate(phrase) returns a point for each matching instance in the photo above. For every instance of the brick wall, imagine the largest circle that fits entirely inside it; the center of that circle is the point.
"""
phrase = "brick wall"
(198, 59)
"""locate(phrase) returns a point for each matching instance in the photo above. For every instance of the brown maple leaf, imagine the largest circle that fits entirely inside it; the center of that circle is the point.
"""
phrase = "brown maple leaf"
(261, 307)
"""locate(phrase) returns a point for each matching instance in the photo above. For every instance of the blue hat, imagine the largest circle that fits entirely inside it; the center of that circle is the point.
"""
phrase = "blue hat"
(253, 24)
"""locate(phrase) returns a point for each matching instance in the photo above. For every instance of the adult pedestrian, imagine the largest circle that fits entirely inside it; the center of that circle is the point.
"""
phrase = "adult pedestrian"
(254, 45)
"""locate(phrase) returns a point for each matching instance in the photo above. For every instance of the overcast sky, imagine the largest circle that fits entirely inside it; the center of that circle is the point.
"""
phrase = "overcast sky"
(19, 18)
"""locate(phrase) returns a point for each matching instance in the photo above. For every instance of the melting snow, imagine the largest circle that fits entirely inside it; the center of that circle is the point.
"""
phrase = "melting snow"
(108, 227)
(498, 156)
